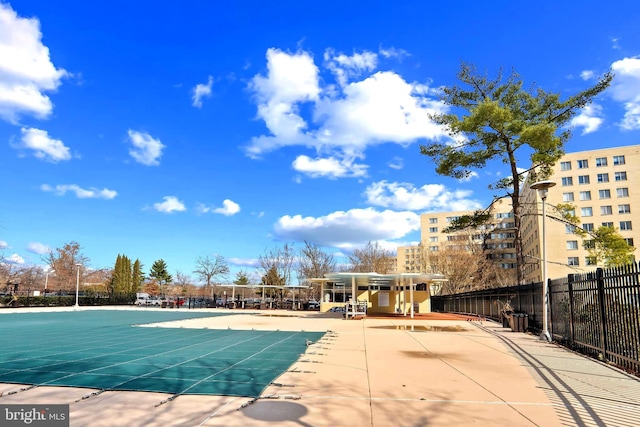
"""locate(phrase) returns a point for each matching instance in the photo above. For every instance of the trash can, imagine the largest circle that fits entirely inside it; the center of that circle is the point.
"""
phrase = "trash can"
(519, 322)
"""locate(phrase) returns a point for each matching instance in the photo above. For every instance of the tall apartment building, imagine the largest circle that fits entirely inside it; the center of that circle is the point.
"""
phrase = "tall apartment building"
(604, 186)
(496, 238)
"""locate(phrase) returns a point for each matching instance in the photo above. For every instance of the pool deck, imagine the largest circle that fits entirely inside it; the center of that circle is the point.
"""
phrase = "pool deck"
(393, 371)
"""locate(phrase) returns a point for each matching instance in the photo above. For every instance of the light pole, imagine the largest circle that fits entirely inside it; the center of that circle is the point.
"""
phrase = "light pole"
(543, 189)
(77, 284)
(46, 280)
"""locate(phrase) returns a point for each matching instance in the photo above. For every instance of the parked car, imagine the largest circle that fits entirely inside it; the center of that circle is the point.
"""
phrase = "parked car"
(313, 305)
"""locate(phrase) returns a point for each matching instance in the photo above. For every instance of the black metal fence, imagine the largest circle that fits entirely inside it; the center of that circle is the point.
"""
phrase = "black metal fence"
(596, 313)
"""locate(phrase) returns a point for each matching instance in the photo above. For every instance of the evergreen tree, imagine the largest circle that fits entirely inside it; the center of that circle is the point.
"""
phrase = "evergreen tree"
(505, 122)
(160, 273)
(121, 280)
(137, 276)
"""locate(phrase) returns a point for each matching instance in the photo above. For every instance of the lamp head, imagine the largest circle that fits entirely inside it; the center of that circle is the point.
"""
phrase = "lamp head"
(542, 187)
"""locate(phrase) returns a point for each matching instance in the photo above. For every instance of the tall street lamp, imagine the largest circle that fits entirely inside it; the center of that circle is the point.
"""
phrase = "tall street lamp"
(543, 189)
(77, 284)
(46, 279)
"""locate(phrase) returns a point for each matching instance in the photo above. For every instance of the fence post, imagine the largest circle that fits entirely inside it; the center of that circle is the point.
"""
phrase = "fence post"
(550, 303)
(603, 326)
(533, 304)
(571, 278)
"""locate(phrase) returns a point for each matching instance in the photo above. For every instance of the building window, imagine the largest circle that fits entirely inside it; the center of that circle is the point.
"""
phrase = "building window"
(618, 160)
(433, 220)
(452, 218)
(603, 177)
(629, 241)
(433, 248)
(565, 166)
(583, 179)
(601, 161)
(586, 211)
(590, 260)
(585, 195)
(620, 176)
(433, 239)
(607, 224)
(606, 210)
(622, 192)
(505, 265)
(589, 244)
(604, 194)
(567, 197)
(569, 229)
(567, 180)
(625, 225)
(572, 245)
(583, 164)
(587, 226)
(573, 260)
(624, 209)
(433, 229)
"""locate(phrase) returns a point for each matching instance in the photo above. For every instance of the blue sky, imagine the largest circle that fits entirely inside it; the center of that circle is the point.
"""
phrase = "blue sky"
(179, 130)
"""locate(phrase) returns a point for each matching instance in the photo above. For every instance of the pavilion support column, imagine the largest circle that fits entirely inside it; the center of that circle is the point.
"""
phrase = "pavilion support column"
(354, 296)
(404, 297)
(411, 295)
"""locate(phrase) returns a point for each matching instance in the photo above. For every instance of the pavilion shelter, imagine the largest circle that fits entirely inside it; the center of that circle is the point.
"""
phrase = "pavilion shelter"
(400, 293)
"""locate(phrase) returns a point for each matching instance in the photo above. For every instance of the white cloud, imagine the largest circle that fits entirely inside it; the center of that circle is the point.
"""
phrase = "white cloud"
(614, 43)
(430, 197)
(38, 248)
(14, 259)
(26, 70)
(229, 207)
(588, 119)
(472, 175)
(244, 262)
(170, 204)
(201, 91)
(43, 146)
(626, 89)
(587, 74)
(344, 229)
(396, 163)
(346, 67)
(393, 52)
(146, 149)
(291, 79)
(382, 108)
(3, 244)
(81, 193)
(330, 167)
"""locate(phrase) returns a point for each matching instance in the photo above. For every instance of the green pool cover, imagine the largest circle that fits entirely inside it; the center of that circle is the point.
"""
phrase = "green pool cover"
(106, 350)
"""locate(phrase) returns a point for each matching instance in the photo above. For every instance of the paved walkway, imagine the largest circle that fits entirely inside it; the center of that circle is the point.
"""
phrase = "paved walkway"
(585, 392)
(384, 372)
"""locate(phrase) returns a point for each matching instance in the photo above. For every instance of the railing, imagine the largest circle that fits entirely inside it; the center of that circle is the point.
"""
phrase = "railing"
(596, 313)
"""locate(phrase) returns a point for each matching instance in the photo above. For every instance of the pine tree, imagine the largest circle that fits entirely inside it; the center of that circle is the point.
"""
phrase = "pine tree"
(137, 276)
(160, 274)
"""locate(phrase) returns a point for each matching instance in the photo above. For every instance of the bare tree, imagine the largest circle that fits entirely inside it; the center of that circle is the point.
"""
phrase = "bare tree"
(182, 284)
(208, 268)
(281, 259)
(314, 262)
(372, 258)
(65, 261)
(467, 268)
